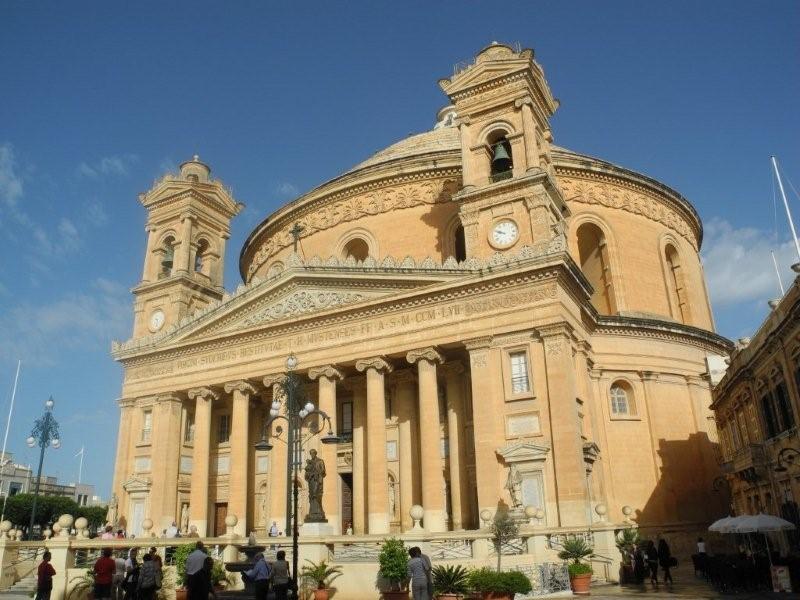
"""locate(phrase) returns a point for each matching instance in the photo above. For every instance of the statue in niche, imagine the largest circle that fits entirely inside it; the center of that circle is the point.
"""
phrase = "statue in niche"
(314, 476)
(111, 514)
(185, 518)
(514, 486)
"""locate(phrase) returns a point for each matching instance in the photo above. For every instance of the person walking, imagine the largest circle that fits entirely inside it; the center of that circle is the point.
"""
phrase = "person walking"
(260, 574)
(419, 574)
(665, 559)
(202, 588)
(280, 576)
(44, 577)
(131, 574)
(117, 588)
(149, 579)
(652, 561)
(104, 569)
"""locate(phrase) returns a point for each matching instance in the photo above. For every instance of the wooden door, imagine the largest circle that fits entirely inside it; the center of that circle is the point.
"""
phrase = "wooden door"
(220, 512)
(347, 500)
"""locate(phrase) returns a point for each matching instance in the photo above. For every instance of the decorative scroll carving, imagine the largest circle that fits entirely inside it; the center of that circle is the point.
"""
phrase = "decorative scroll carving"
(240, 386)
(355, 207)
(204, 393)
(328, 371)
(377, 363)
(429, 354)
(299, 303)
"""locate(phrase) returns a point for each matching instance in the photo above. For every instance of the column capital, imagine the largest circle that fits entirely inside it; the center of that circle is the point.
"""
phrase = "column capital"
(329, 371)
(403, 376)
(524, 101)
(270, 380)
(240, 386)
(562, 329)
(453, 368)
(203, 393)
(430, 354)
(378, 363)
(169, 397)
(480, 343)
(649, 376)
(126, 402)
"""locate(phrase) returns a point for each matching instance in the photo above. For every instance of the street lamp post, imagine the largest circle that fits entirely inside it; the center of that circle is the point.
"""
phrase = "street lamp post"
(44, 434)
(295, 414)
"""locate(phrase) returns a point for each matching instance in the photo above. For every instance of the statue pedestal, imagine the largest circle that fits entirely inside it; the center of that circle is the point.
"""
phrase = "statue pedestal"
(316, 530)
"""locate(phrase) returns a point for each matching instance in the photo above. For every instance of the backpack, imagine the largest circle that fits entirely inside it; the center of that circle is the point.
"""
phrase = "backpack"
(148, 578)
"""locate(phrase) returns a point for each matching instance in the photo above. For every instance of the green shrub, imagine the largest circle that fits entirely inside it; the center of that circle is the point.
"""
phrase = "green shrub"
(320, 574)
(487, 581)
(579, 569)
(449, 579)
(393, 562)
(576, 549)
(180, 556)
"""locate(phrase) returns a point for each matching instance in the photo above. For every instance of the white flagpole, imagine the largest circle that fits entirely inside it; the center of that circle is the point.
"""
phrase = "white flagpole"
(778, 273)
(80, 468)
(5, 437)
(786, 206)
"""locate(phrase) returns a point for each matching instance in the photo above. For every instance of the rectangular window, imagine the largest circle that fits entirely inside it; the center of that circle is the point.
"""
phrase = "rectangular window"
(188, 433)
(519, 373)
(742, 421)
(346, 418)
(147, 425)
(784, 411)
(769, 416)
(223, 429)
(533, 490)
(737, 443)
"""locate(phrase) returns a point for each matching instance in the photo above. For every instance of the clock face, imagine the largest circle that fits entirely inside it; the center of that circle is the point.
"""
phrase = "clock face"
(157, 320)
(504, 233)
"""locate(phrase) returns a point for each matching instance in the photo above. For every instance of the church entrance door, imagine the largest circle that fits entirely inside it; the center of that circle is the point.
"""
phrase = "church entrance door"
(220, 512)
(347, 500)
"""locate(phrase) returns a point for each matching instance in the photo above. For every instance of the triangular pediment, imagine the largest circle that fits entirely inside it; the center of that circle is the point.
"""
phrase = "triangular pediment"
(484, 73)
(136, 484)
(523, 452)
(173, 189)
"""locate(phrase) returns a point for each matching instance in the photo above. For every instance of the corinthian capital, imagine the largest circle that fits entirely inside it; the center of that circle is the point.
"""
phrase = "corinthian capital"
(328, 371)
(377, 363)
(430, 354)
(204, 393)
(240, 386)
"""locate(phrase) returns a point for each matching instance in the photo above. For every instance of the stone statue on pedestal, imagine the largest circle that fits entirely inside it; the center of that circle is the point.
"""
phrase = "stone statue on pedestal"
(314, 476)
(111, 514)
(185, 518)
(514, 487)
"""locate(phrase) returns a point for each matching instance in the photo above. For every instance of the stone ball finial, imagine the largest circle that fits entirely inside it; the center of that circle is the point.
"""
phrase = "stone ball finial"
(47, 534)
(627, 510)
(417, 513)
(66, 521)
(486, 516)
(81, 523)
(231, 520)
(530, 511)
(539, 514)
(601, 510)
(6, 526)
(196, 158)
(147, 524)
(56, 528)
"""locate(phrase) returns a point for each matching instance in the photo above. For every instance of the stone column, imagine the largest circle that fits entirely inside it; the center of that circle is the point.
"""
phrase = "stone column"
(326, 397)
(572, 493)
(121, 467)
(198, 494)
(529, 130)
(181, 264)
(487, 387)
(466, 156)
(456, 423)
(433, 500)
(377, 467)
(277, 462)
(405, 390)
(241, 450)
(148, 273)
(165, 460)
(359, 462)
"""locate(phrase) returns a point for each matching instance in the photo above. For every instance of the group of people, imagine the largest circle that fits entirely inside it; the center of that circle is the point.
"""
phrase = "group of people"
(265, 575)
(646, 558)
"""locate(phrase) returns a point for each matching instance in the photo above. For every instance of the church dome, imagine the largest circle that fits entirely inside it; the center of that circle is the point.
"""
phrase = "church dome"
(418, 145)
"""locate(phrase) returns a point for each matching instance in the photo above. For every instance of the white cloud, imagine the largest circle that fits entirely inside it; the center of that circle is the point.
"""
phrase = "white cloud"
(85, 321)
(108, 165)
(70, 238)
(738, 264)
(10, 180)
(287, 189)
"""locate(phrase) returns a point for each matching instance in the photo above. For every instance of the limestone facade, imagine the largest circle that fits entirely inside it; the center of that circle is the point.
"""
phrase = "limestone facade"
(529, 331)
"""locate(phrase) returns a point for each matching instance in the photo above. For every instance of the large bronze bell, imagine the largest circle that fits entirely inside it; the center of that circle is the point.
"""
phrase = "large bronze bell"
(501, 161)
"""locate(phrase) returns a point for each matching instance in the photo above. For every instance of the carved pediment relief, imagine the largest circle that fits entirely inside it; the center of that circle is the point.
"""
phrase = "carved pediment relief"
(521, 452)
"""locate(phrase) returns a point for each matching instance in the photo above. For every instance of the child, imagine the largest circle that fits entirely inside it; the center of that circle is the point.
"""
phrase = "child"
(44, 581)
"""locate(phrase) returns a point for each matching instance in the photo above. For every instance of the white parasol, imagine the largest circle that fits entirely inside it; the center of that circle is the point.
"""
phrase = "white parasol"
(723, 525)
(763, 524)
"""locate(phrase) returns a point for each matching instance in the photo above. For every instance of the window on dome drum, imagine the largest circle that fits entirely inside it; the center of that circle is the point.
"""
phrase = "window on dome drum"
(622, 400)
(147, 425)
(223, 429)
(460, 244)
(501, 165)
(520, 383)
(357, 248)
(193, 178)
(595, 264)
(676, 285)
(168, 257)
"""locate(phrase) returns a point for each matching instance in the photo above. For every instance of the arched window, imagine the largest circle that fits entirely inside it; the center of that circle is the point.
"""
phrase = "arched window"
(501, 160)
(193, 178)
(460, 244)
(200, 256)
(168, 257)
(622, 400)
(357, 248)
(594, 261)
(676, 285)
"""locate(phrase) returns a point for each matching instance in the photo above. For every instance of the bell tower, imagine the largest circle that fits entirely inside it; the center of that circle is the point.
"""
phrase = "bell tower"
(509, 196)
(188, 223)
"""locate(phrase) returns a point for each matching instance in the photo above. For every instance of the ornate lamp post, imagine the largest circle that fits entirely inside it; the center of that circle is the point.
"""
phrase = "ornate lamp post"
(296, 414)
(45, 433)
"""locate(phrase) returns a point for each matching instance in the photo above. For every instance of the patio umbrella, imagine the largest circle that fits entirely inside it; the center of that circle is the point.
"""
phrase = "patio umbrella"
(723, 525)
(762, 524)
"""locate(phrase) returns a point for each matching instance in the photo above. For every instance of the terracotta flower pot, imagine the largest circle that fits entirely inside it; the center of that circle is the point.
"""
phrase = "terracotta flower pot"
(401, 595)
(321, 594)
(448, 597)
(497, 596)
(181, 593)
(580, 583)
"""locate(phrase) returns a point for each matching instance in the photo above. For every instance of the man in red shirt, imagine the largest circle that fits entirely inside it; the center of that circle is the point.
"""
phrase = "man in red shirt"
(44, 581)
(104, 569)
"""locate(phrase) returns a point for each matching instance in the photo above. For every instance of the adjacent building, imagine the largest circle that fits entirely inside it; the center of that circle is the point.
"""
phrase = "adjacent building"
(17, 478)
(489, 319)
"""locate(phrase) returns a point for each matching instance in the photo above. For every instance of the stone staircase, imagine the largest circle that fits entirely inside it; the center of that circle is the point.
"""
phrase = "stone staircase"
(24, 588)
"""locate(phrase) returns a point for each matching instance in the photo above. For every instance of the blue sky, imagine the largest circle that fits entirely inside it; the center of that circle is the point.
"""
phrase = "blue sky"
(99, 99)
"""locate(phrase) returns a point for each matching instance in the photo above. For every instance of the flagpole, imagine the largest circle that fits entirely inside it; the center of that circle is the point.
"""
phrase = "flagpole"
(80, 468)
(5, 438)
(786, 206)
(778, 273)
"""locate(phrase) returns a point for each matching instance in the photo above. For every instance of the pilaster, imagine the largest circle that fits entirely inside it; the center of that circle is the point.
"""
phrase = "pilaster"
(165, 460)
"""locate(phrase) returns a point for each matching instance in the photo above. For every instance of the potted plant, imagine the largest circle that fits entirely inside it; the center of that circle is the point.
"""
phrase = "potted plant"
(576, 550)
(625, 541)
(496, 585)
(82, 584)
(179, 557)
(320, 575)
(449, 582)
(393, 569)
(219, 576)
